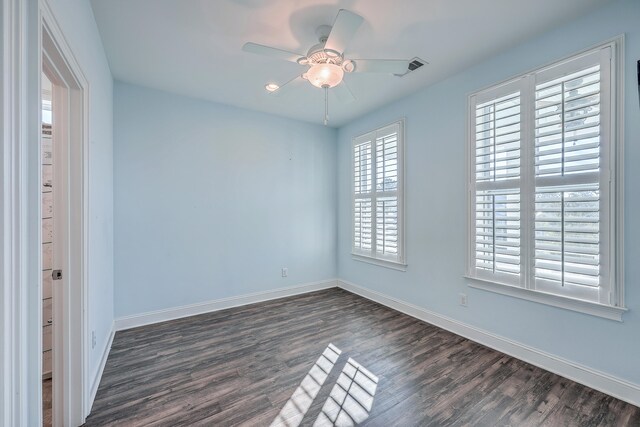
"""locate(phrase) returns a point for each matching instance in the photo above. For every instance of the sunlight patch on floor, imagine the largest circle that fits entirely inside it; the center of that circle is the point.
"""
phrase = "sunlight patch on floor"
(351, 398)
(297, 406)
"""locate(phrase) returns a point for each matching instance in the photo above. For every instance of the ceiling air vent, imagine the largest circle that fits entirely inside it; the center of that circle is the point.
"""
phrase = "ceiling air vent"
(414, 64)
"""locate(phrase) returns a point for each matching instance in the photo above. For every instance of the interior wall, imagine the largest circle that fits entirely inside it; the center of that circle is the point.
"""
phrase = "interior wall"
(76, 20)
(212, 201)
(436, 205)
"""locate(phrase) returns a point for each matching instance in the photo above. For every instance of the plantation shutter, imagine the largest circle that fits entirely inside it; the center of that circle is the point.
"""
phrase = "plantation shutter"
(541, 163)
(571, 136)
(496, 120)
(387, 195)
(377, 201)
(363, 186)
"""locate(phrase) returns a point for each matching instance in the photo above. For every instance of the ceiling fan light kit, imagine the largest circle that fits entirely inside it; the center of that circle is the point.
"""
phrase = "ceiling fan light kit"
(326, 61)
(325, 75)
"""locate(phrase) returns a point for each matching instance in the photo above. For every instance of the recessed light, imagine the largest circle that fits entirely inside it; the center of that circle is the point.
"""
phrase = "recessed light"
(271, 87)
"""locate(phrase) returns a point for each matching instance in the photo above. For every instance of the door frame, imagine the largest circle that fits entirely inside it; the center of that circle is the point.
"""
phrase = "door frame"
(70, 139)
(14, 219)
(28, 28)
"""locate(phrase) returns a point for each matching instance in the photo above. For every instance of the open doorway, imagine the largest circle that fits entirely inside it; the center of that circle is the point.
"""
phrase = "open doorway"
(63, 147)
(48, 209)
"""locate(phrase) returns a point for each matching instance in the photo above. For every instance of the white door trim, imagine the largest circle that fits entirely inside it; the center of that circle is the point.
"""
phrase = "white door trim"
(23, 25)
(70, 105)
(14, 371)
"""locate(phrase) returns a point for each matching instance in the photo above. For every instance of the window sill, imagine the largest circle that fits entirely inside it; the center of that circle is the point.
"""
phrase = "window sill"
(586, 307)
(381, 262)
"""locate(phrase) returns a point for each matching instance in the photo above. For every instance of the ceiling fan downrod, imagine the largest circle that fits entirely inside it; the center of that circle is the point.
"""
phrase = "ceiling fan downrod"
(326, 104)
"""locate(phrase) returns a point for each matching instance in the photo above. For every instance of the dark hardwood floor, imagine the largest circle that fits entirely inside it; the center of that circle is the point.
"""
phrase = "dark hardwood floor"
(271, 363)
(47, 410)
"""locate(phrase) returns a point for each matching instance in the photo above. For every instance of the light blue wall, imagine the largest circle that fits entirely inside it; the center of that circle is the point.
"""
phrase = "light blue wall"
(81, 32)
(212, 201)
(436, 211)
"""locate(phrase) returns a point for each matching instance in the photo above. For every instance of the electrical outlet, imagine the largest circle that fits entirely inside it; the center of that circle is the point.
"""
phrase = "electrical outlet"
(463, 300)
(285, 271)
(93, 339)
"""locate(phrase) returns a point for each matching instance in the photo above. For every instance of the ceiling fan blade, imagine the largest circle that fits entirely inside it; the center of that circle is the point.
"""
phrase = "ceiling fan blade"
(343, 30)
(343, 93)
(286, 88)
(271, 51)
(392, 66)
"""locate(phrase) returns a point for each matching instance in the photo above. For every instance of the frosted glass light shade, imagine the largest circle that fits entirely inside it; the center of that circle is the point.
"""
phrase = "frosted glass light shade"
(321, 75)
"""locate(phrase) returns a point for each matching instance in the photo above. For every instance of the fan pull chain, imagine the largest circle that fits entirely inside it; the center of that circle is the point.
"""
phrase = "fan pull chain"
(326, 105)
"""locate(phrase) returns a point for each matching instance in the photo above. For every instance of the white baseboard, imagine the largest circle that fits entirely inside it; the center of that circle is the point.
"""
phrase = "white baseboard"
(128, 322)
(601, 381)
(98, 374)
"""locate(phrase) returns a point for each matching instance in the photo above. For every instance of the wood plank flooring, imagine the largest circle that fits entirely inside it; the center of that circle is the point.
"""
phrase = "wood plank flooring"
(47, 410)
(241, 367)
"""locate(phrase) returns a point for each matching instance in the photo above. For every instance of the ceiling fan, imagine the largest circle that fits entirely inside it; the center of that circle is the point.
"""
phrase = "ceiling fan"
(326, 61)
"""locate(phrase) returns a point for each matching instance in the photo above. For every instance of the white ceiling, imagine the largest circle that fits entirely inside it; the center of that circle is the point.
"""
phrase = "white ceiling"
(193, 47)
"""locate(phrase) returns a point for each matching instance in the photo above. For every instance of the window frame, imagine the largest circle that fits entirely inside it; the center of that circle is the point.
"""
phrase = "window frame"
(399, 263)
(611, 156)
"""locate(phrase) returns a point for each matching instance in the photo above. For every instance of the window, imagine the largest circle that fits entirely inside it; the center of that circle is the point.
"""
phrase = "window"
(542, 182)
(378, 177)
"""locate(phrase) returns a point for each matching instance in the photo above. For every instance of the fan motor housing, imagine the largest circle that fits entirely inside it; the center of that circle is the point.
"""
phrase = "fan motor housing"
(318, 55)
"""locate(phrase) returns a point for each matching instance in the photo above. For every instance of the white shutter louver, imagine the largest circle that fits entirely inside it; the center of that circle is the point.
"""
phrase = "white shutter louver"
(497, 181)
(362, 225)
(498, 231)
(567, 200)
(568, 124)
(498, 139)
(567, 235)
(362, 220)
(387, 200)
(362, 168)
(387, 162)
(387, 225)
